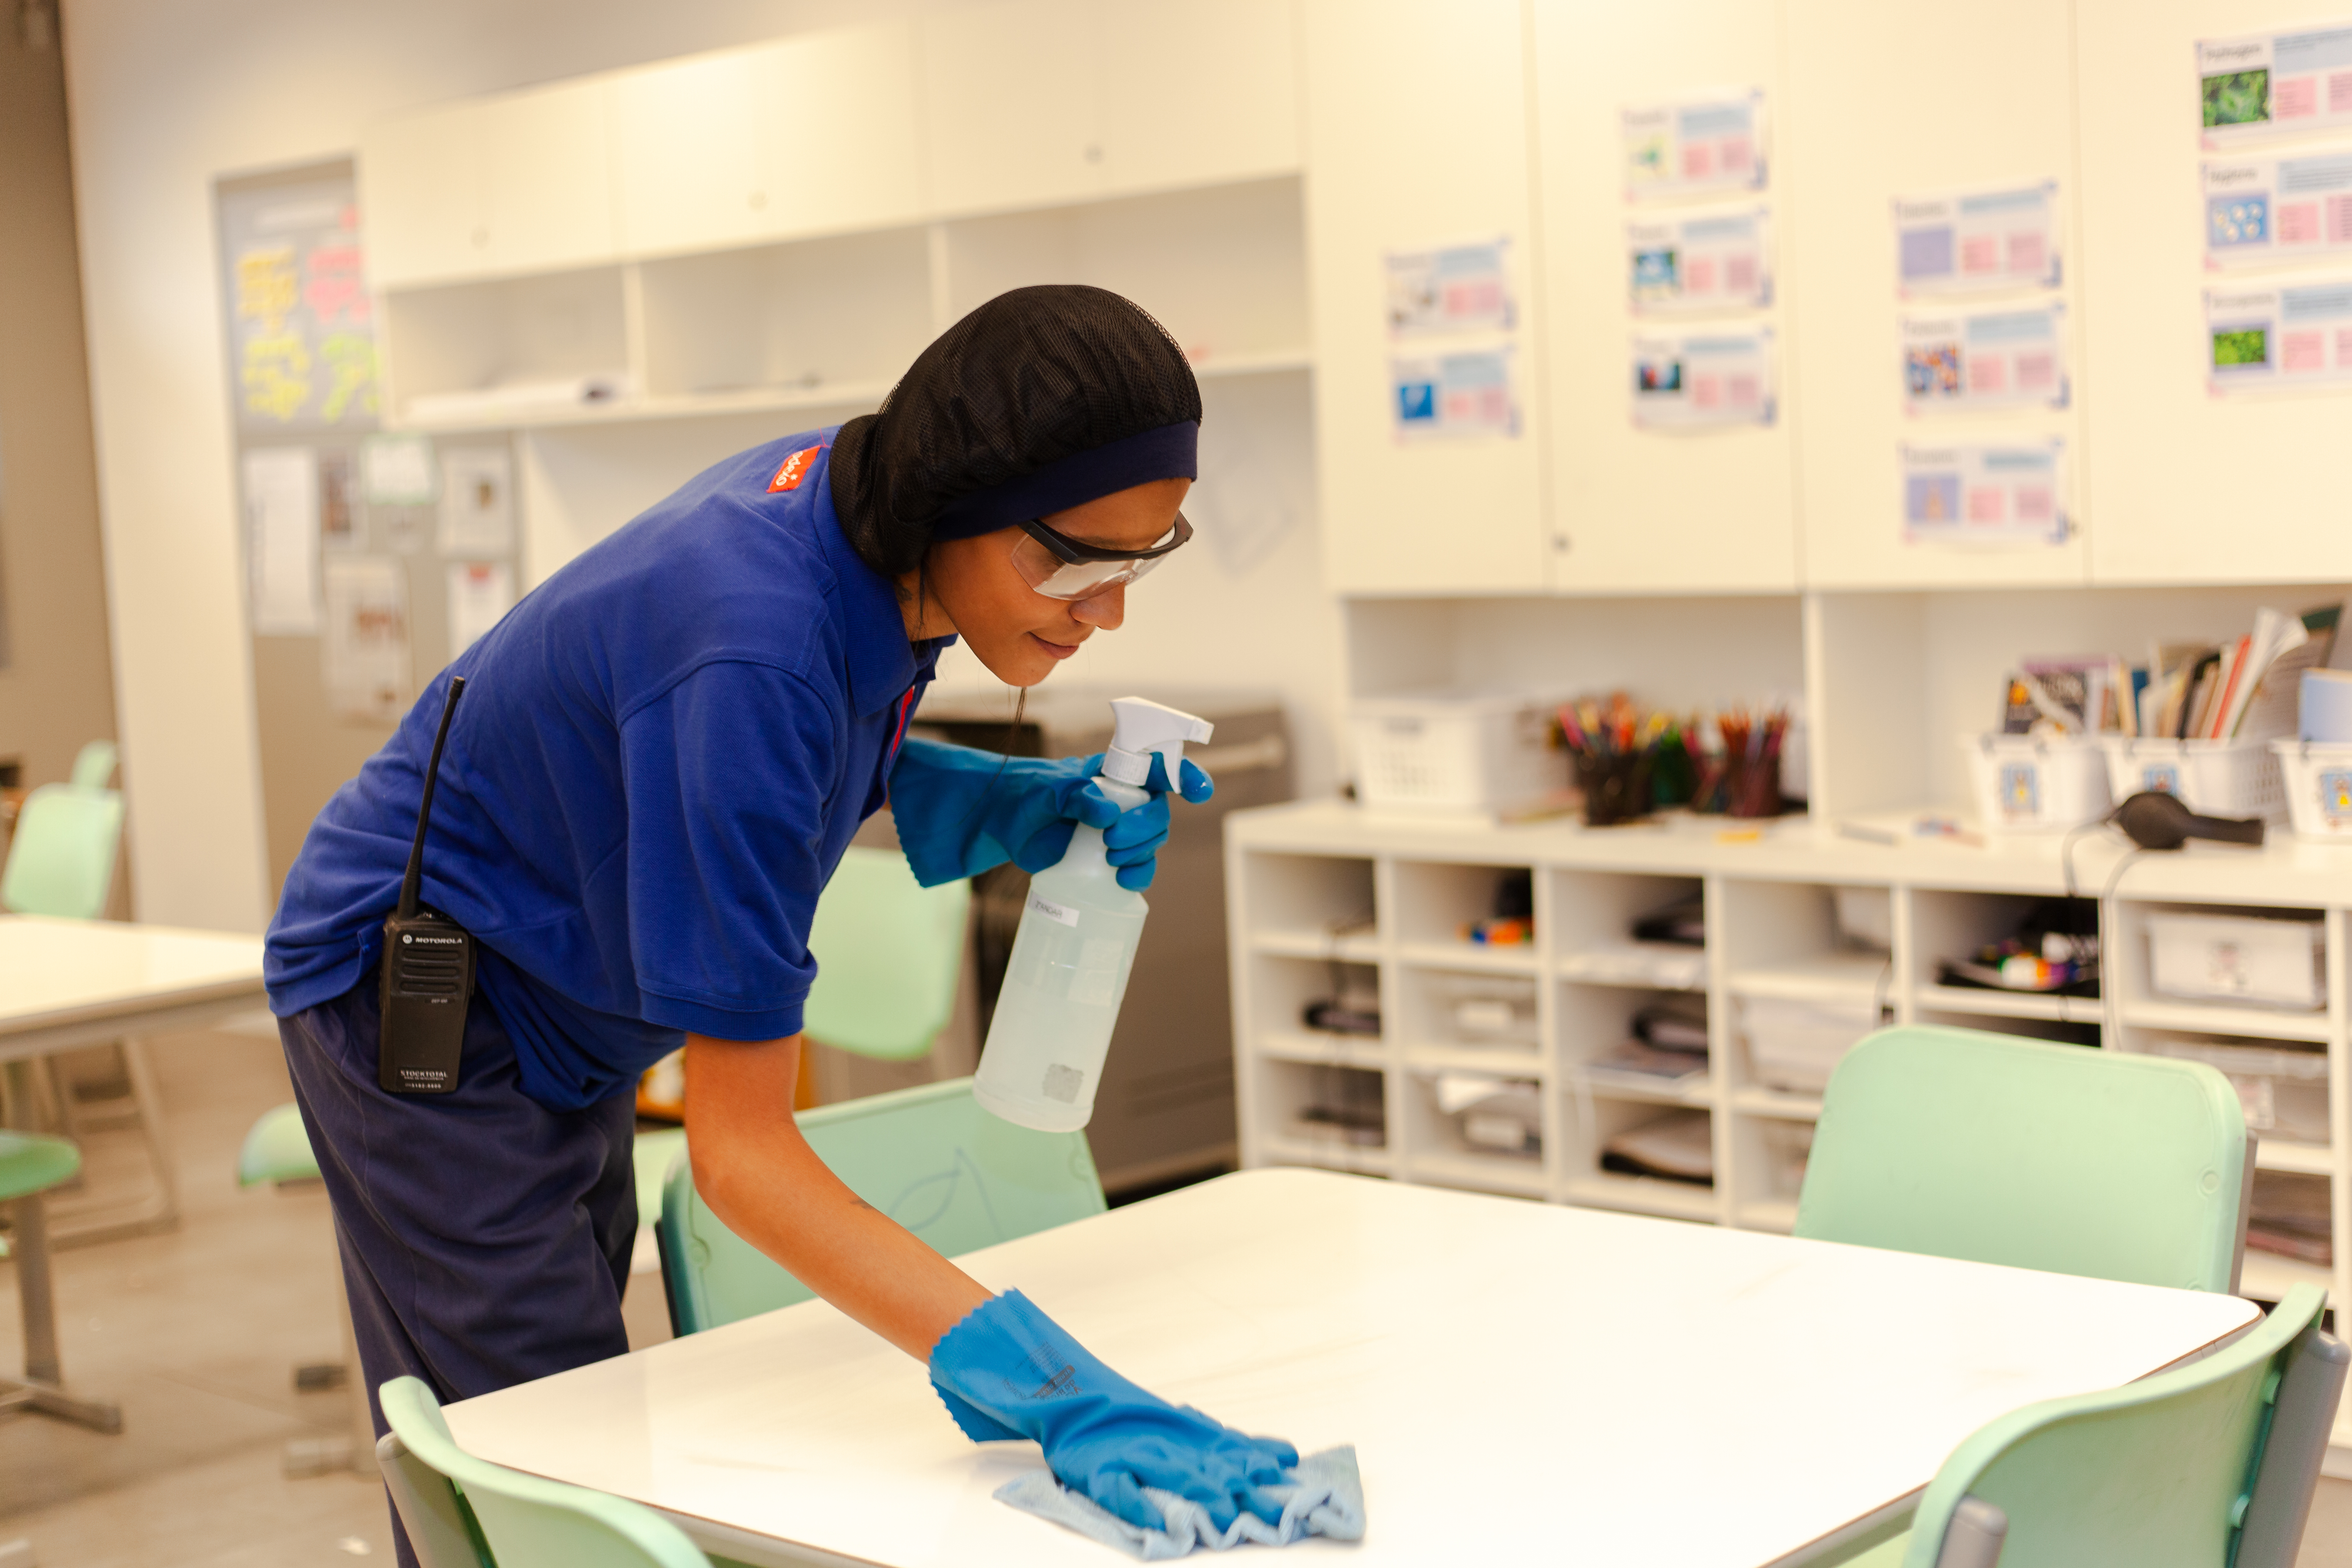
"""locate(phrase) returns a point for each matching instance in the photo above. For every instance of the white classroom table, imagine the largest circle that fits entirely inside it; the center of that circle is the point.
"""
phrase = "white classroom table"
(78, 983)
(1522, 1382)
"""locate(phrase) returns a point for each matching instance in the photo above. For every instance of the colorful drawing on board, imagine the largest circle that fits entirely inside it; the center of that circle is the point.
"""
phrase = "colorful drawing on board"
(300, 325)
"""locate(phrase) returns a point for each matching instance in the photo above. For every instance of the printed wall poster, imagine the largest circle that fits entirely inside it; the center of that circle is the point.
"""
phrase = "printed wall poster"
(1698, 381)
(1986, 359)
(1472, 394)
(1457, 289)
(1977, 242)
(364, 649)
(1990, 493)
(282, 518)
(1701, 262)
(2260, 85)
(2277, 209)
(2278, 337)
(1695, 146)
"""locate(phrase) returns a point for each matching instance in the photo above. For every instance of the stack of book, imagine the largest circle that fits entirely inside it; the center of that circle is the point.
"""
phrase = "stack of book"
(2243, 689)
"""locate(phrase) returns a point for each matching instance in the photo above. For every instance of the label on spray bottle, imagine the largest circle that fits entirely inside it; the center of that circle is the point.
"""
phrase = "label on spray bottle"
(1060, 913)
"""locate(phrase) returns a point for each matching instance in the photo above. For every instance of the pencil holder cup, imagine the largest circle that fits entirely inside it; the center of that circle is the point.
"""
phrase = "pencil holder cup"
(1616, 788)
(1751, 786)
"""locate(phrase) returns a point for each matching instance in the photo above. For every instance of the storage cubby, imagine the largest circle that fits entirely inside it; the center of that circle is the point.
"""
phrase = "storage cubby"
(1592, 1121)
(1591, 1021)
(1280, 990)
(1323, 1114)
(1434, 903)
(1784, 940)
(513, 333)
(1586, 922)
(1224, 268)
(2290, 1235)
(1308, 902)
(1948, 926)
(1768, 1155)
(1476, 1129)
(837, 319)
(1470, 1019)
(2271, 987)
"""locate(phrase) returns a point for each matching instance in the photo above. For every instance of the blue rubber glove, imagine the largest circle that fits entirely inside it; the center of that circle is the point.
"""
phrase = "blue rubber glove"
(960, 812)
(1009, 1371)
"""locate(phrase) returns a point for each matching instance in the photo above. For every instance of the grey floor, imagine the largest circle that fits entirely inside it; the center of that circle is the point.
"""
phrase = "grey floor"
(195, 1334)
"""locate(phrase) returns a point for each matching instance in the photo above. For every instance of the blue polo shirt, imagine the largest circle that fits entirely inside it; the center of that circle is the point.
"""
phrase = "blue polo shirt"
(660, 756)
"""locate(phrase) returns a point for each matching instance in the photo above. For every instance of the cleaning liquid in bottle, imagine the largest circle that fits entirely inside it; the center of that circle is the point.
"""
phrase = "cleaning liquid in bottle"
(1077, 942)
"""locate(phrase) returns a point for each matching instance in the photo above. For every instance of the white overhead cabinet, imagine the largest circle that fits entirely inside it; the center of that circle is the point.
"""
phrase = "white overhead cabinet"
(1859, 129)
(1417, 134)
(2194, 487)
(812, 135)
(1704, 507)
(520, 183)
(1033, 102)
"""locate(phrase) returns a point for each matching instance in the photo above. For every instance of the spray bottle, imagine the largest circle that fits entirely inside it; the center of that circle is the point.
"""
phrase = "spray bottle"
(1077, 942)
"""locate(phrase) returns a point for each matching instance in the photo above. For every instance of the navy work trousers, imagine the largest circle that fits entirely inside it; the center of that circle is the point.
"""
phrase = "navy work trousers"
(485, 1238)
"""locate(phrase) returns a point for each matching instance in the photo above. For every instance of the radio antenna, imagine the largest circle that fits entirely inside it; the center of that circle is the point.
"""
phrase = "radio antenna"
(408, 884)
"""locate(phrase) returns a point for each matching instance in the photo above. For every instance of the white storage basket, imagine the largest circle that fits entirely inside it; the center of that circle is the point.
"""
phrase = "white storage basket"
(2217, 778)
(2031, 784)
(2317, 776)
(1456, 751)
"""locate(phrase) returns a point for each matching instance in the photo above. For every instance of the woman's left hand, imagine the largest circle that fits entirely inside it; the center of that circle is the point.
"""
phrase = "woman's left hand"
(962, 811)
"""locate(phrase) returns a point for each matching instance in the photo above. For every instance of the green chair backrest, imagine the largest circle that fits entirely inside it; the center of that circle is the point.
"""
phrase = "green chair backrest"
(888, 953)
(62, 861)
(94, 764)
(277, 1148)
(498, 1518)
(2002, 1149)
(31, 1164)
(928, 1157)
(653, 1154)
(2210, 1466)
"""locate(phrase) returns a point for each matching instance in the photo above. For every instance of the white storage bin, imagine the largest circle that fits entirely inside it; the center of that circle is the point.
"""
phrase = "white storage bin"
(2267, 961)
(2284, 1091)
(2217, 778)
(1477, 1009)
(1795, 1045)
(1498, 1115)
(2317, 780)
(1455, 751)
(2031, 784)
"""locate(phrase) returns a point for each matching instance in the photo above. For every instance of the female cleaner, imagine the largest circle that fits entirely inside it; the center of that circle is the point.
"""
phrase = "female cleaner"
(661, 756)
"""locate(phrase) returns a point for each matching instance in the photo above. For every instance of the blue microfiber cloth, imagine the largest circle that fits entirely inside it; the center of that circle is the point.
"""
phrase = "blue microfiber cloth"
(1324, 1496)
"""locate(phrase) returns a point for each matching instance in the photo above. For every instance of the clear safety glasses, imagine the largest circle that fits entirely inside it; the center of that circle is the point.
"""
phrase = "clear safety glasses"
(1060, 567)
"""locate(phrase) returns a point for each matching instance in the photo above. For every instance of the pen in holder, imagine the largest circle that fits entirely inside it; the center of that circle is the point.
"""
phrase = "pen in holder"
(1751, 763)
(1611, 751)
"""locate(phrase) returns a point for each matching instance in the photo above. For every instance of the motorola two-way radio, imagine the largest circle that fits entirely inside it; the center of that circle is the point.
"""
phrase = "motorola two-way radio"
(428, 967)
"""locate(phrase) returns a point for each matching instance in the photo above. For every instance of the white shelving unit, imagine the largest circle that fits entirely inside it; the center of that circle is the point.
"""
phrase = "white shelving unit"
(1397, 889)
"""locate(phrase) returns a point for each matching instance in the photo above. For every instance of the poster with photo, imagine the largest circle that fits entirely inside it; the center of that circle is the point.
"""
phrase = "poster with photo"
(2004, 493)
(1977, 242)
(1448, 396)
(1712, 143)
(2256, 86)
(1701, 262)
(1701, 380)
(1454, 288)
(2278, 337)
(1986, 359)
(364, 645)
(2277, 209)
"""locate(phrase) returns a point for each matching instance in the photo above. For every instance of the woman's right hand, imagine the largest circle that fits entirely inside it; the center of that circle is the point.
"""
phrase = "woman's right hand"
(1009, 1371)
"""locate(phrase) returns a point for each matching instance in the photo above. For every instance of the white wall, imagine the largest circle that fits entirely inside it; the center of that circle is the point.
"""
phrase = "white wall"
(165, 96)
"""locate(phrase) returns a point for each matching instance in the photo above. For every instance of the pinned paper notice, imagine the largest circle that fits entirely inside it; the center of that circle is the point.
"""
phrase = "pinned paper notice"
(1707, 261)
(1455, 394)
(398, 471)
(476, 501)
(2278, 337)
(1461, 287)
(481, 594)
(363, 655)
(2277, 209)
(1979, 242)
(1694, 146)
(1995, 359)
(1985, 494)
(1703, 380)
(2257, 85)
(282, 511)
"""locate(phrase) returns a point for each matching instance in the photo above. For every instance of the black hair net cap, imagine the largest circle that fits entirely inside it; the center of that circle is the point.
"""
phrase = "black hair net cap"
(994, 416)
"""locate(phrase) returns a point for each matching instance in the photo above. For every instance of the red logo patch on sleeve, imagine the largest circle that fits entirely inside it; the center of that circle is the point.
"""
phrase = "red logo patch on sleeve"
(794, 470)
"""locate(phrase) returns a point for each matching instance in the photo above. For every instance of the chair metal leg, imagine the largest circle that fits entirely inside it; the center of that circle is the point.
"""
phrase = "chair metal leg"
(39, 1388)
(159, 1208)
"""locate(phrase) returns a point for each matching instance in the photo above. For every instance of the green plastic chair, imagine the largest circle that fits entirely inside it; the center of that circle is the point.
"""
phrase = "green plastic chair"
(277, 1150)
(1999, 1149)
(62, 861)
(889, 952)
(31, 1166)
(496, 1518)
(928, 1157)
(2210, 1466)
(93, 765)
